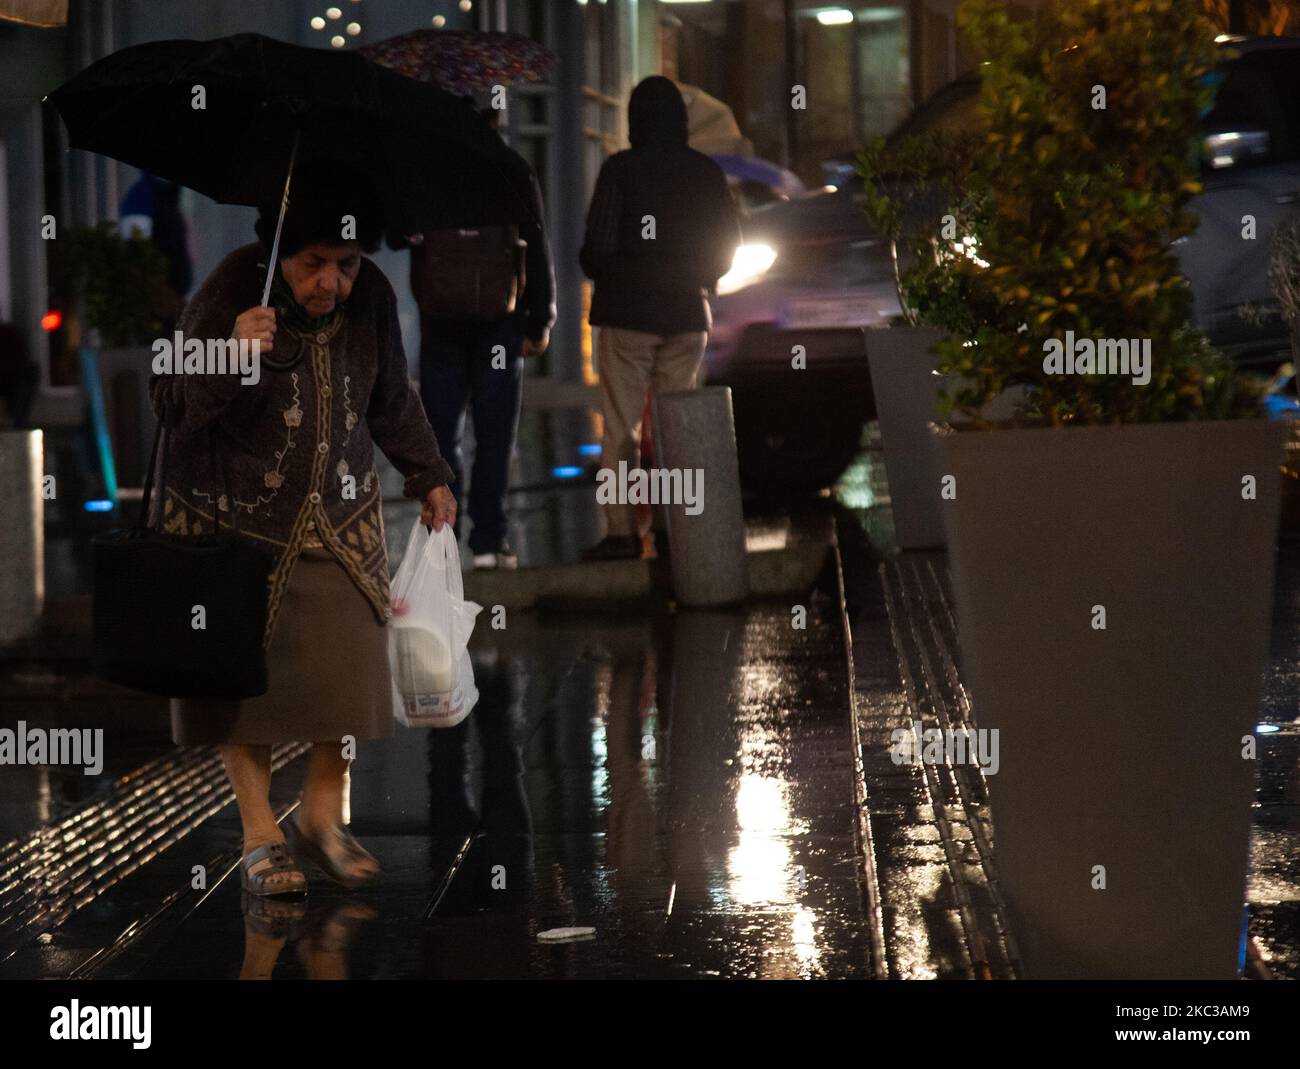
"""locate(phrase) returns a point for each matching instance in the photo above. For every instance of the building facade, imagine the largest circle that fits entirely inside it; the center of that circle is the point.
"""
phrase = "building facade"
(862, 66)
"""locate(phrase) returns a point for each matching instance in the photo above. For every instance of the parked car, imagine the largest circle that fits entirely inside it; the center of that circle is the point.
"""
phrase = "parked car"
(1252, 168)
(813, 273)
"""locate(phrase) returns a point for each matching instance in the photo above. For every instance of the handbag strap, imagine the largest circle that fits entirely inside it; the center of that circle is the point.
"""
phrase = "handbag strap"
(143, 520)
(161, 435)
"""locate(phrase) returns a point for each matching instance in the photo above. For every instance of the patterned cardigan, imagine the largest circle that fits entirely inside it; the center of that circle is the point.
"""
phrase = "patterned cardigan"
(298, 445)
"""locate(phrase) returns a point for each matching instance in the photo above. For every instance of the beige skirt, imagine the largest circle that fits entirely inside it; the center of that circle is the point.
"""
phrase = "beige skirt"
(328, 669)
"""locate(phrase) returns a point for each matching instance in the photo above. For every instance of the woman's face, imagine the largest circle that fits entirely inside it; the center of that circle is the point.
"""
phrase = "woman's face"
(322, 275)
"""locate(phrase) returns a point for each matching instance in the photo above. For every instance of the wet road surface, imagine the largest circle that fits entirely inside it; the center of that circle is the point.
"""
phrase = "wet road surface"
(682, 785)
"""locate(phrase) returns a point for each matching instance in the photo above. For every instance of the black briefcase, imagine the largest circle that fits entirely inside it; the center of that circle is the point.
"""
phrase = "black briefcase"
(180, 615)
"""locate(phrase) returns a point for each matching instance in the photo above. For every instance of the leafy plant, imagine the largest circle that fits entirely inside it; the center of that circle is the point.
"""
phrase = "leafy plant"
(1082, 205)
(915, 194)
(1275, 17)
(120, 282)
(1284, 277)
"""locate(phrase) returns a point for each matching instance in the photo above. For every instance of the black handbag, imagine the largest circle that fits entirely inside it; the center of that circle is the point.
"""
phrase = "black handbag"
(147, 588)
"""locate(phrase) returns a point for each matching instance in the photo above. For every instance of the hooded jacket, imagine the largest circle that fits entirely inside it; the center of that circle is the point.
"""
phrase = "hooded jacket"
(662, 227)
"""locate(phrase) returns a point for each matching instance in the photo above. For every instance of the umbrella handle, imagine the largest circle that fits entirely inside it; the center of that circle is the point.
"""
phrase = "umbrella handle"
(273, 263)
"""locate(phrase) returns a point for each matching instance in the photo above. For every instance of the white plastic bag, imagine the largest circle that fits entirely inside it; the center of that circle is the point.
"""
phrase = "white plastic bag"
(428, 634)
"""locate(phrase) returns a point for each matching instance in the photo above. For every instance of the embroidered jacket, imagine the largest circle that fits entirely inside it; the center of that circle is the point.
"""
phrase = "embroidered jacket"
(299, 444)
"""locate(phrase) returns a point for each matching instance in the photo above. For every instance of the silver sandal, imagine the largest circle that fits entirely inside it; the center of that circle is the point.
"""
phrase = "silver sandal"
(267, 860)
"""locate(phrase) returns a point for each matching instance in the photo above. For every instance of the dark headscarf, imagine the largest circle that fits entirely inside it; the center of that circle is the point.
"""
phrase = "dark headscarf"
(319, 196)
(656, 113)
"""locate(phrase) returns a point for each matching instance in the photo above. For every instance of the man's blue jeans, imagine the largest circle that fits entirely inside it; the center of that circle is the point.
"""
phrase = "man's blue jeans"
(456, 374)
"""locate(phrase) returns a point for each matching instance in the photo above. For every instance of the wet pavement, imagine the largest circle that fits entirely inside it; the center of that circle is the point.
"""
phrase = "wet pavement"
(682, 785)
(1274, 889)
(680, 782)
(708, 791)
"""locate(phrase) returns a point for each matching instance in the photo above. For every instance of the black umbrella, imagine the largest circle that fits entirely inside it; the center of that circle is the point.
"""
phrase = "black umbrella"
(232, 117)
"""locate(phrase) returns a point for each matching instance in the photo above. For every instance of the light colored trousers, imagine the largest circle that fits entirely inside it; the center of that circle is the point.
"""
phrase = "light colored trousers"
(629, 363)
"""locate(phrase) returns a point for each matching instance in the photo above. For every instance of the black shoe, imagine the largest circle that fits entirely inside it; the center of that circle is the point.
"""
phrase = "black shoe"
(613, 547)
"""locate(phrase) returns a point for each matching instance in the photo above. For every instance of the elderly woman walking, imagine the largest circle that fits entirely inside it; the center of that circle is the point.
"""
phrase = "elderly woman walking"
(297, 448)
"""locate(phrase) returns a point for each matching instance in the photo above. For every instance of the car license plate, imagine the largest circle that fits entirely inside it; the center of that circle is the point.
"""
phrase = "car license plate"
(827, 312)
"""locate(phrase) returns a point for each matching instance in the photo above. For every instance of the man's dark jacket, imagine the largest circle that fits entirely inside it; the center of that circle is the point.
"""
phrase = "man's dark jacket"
(538, 299)
(658, 284)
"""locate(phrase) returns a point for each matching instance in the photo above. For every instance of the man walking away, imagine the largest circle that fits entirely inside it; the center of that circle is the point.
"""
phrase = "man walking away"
(487, 299)
(661, 230)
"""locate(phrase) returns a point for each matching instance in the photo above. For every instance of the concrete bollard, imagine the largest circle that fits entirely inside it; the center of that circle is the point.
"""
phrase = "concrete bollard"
(695, 443)
(22, 535)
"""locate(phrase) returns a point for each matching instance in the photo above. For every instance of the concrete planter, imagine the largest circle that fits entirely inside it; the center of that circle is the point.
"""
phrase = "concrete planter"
(22, 535)
(906, 387)
(1119, 747)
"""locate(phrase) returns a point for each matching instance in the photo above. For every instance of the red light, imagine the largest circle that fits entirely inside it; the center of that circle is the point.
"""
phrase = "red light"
(52, 320)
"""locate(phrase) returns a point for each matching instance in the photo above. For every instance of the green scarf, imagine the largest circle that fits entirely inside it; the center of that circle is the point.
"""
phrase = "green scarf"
(289, 311)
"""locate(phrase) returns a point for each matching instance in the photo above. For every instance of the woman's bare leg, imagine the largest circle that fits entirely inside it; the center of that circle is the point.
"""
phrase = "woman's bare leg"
(322, 791)
(322, 797)
(248, 768)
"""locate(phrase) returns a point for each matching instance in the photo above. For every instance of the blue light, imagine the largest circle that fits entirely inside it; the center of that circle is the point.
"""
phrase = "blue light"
(99, 506)
(566, 471)
(1267, 729)
(591, 449)
(1279, 407)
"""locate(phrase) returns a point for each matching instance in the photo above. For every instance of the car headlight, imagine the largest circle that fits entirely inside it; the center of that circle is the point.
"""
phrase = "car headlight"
(750, 263)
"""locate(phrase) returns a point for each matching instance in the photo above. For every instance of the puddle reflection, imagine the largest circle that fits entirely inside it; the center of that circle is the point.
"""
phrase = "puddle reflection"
(321, 935)
(649, 778)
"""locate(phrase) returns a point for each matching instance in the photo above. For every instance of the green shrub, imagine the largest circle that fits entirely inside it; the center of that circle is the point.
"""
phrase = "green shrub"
(916, 194)
(120, 282)
(1080, 210)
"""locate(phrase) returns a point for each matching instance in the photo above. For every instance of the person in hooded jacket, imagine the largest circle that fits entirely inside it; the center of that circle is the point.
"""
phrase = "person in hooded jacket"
(661, 230)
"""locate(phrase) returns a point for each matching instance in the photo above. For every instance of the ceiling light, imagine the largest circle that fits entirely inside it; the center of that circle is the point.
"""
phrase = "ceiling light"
(835, 16)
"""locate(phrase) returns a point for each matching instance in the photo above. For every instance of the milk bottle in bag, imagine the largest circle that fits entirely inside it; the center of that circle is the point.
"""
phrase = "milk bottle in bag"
(428, 634)
(424, 669)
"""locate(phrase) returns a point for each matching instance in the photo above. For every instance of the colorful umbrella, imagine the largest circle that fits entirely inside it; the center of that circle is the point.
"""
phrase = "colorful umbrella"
(712, 124)
(755, 169)
(462, 61)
